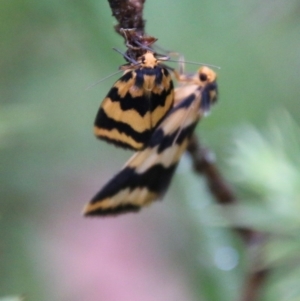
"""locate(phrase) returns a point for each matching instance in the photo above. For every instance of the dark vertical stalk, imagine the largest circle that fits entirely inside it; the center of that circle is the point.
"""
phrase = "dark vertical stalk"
(129, 14)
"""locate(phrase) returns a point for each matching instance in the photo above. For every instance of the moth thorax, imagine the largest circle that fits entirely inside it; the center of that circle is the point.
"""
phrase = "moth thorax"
(149, 83)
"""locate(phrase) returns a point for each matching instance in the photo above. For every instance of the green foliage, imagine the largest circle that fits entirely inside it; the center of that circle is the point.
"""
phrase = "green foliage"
(51, 164)
(266, 167)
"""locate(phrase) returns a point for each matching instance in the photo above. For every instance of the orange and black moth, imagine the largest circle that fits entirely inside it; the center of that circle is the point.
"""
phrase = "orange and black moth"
(136, 103)
(148, 173)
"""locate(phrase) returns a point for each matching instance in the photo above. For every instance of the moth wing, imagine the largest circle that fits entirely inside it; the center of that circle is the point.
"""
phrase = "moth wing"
(161, 96)
(124, 116)
(117, 196)
(147, 174)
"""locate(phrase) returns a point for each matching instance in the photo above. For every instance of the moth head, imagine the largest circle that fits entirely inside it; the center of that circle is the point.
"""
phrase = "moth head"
(207, 78)
(206, 75)
(148, 60)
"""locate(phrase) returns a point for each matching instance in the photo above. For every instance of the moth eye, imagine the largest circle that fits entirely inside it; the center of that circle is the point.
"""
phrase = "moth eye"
(203, 77)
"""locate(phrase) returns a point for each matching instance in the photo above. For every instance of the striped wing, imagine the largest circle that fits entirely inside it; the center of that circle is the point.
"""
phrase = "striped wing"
(147, 174)
(134, 107)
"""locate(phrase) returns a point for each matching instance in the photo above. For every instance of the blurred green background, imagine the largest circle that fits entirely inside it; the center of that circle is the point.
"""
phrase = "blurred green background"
(51, 164)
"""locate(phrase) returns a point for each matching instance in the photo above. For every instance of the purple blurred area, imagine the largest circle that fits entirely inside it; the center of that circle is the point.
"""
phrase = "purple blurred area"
(115, 258)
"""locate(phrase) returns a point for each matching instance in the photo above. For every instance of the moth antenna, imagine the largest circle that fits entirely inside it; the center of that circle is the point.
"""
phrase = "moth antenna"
(102, 79)
(169, 52)
(131, 60)
(143, 46)
(162, 57)
(196, 63)
(174, 53)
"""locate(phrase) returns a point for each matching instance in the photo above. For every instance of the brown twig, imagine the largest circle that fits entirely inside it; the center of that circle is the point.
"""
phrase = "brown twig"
(129, 14)
(253, 285)
(131, 26)
(204, 163)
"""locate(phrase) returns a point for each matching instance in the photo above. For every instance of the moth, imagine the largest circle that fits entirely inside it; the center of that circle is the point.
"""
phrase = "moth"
(148, 173)
(136, 103)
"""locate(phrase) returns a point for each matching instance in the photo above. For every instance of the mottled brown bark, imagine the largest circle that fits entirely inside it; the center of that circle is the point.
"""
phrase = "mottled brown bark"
(129, 14)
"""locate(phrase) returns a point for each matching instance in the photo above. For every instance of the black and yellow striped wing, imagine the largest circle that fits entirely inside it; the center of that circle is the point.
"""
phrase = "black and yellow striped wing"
(148, 173)
(134, 107)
